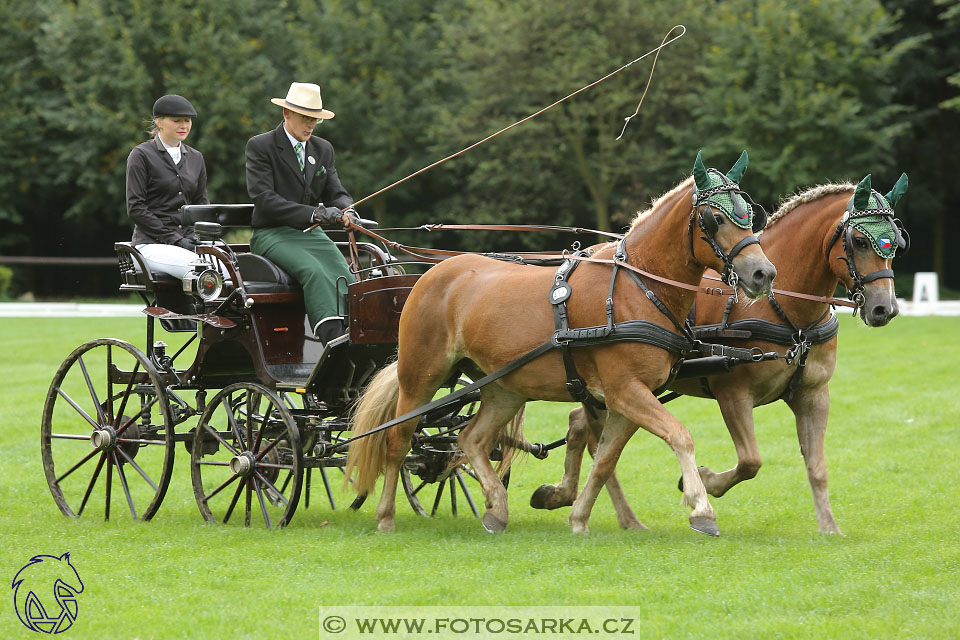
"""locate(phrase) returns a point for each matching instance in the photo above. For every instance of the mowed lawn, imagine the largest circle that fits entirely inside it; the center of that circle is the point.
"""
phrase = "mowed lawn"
(892, 449)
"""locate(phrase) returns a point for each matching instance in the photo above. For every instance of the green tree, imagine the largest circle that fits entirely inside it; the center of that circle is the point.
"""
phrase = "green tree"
(807, 88)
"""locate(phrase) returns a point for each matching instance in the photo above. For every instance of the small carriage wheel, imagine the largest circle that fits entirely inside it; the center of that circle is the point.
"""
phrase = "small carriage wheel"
(107, 429)
(459, 486)
(246, 462)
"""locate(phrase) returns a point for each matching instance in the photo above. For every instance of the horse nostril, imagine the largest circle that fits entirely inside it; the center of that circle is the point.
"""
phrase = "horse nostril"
(880, 311)
(764, 276)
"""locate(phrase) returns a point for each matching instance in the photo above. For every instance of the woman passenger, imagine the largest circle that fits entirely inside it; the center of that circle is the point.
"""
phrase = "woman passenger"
(163, 174)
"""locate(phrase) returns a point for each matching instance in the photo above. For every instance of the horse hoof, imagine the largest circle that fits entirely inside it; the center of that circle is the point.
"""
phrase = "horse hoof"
(493, 524)
(545, 497)
(385, 527)
(704, 524)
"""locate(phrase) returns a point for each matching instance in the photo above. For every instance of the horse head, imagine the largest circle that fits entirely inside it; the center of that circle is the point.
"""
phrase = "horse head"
(41, 576)
(869, 236)
(728, 223)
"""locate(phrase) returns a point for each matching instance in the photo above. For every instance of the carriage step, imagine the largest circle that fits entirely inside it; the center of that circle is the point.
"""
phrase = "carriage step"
(207, 318)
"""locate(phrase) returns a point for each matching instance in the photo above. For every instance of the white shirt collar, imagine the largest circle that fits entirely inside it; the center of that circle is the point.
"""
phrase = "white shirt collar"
(293, 141)
(175, 152)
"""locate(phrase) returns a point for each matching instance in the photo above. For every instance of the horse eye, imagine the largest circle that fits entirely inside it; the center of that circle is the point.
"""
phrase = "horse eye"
(719, 218)
(860, 242)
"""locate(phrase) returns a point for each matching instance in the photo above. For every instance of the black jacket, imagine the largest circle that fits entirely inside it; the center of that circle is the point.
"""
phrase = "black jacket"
(283, 195)
(157, 188)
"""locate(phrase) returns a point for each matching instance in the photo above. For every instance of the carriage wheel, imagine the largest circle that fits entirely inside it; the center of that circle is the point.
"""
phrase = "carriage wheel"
(246, 462)
(457, 488)
(106, 432)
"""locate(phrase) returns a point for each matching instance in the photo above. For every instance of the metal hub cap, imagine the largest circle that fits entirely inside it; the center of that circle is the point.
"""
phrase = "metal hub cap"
(243, 464)
(104, 439)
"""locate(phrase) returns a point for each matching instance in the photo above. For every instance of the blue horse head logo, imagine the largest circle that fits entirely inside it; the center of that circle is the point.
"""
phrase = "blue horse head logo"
(45, 593)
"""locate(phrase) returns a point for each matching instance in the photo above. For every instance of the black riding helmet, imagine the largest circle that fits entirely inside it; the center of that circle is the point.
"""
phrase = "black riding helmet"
(173, 106)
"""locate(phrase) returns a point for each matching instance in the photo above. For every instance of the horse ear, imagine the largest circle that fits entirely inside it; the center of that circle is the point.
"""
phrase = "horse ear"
(700, 173)
(861, 197)
(737, 170)
(898, 190)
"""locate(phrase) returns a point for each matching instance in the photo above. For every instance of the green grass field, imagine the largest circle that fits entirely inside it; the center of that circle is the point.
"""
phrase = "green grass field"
(891, 447)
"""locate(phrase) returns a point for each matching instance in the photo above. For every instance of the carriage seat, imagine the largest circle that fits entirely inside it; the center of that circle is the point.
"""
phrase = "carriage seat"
(260, 275)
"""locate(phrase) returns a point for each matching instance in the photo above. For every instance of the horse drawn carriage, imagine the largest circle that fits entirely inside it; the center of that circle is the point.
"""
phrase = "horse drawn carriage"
(274, 407)
(114, 413)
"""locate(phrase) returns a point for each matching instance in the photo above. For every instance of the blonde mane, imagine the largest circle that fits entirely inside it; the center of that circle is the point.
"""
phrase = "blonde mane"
(809, 195)
(643, 214)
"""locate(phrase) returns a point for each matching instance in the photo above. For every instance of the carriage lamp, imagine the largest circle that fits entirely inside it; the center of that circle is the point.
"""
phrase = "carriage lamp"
(203, 281)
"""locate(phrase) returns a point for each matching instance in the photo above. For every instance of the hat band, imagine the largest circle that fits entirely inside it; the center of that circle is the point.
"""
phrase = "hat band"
(297, 106)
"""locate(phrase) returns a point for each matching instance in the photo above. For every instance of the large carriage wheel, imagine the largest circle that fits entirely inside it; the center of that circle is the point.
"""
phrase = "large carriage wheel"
(106, 432)
(246, 462)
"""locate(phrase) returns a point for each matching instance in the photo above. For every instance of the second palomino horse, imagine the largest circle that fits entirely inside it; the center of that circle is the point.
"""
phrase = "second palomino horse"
(825, 235)
(476, 315)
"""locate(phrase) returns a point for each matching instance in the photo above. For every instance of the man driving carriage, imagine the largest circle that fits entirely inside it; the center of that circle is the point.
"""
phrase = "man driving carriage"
(293, 182)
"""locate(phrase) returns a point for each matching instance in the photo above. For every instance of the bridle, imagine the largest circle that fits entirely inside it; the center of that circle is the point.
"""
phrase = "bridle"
(844, 233)
(702, 212)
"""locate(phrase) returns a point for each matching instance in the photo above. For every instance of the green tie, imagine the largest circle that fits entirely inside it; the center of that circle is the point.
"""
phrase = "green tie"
(299, 149)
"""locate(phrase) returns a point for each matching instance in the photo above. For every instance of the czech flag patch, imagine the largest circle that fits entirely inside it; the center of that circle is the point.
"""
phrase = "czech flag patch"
(885, 243)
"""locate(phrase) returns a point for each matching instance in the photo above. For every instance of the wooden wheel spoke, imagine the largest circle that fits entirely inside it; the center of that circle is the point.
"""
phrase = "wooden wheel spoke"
(248, 497)
(216, 435)
(83, 461)
(436, 501)
(268, 448)
(466, 492)
(223, 486)
(326, 485)
(93, 481)
(263, 426)
(270, 485)
(453, 496)
(419, 486)
(63, 394)
(133, 464)
(263, 503)
(126, 487)
(232, 420)
(138, 414)
(233, 503)
(106, 508)
(93, 393)
(126, 396)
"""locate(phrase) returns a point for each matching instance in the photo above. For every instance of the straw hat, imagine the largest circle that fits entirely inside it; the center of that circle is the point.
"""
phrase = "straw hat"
(304, 98)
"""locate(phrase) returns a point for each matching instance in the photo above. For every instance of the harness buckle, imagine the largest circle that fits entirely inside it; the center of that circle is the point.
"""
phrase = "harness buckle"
(797, 353)
(577, 389)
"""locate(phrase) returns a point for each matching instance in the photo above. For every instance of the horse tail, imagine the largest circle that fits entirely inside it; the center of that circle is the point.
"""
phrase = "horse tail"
(514, 435)
(367, 456)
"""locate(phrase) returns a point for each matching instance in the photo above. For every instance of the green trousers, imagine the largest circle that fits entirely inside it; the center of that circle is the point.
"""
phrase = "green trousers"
(313, 260)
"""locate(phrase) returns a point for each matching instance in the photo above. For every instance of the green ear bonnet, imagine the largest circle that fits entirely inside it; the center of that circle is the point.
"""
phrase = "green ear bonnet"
(713, 188)
(872, 215)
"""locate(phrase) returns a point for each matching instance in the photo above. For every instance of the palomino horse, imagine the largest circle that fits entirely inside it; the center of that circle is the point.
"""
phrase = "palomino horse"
(475, 315)
(828, 234)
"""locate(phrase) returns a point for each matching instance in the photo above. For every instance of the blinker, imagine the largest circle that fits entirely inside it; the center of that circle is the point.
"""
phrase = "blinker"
(710, 224)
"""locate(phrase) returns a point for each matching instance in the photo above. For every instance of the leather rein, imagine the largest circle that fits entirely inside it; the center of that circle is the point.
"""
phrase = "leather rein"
(429, 255)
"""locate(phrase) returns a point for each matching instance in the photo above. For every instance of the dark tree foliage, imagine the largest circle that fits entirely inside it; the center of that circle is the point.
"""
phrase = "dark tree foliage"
(827, 90)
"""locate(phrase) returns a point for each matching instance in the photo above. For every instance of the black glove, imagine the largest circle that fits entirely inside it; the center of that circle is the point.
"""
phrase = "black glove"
(357, 220)
(326, 215)
(352, 214)
(188, 242)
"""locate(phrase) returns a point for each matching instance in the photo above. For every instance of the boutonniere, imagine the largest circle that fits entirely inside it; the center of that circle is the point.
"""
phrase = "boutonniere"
(322, 170)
